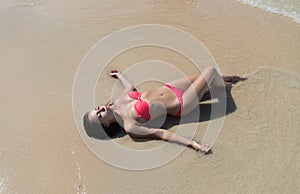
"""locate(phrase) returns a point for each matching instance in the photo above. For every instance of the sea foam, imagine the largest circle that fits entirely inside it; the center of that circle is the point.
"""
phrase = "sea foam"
(7, 4)
(289, 8)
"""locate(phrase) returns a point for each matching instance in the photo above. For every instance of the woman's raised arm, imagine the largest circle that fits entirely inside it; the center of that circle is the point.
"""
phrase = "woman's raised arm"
(128, 86)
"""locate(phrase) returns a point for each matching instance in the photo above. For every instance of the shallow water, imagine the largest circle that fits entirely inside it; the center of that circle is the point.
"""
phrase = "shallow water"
(290, 8)
(6, 4)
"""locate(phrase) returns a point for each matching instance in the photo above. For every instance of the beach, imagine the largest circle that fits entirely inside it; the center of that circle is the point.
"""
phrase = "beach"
(42, 44)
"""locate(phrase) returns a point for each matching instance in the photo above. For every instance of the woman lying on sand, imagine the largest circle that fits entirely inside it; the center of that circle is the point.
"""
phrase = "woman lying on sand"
(133, 110)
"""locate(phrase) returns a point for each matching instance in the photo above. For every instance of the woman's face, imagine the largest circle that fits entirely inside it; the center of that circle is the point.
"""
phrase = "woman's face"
(101, 115)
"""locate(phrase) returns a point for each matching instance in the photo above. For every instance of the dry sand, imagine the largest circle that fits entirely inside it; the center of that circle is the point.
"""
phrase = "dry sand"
(42, 44)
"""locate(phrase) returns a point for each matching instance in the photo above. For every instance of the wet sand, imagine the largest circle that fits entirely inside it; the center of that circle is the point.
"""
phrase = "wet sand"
(42, 45)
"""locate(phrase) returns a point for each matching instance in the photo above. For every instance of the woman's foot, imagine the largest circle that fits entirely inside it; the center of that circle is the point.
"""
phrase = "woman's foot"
(234, 79)
(228, 81)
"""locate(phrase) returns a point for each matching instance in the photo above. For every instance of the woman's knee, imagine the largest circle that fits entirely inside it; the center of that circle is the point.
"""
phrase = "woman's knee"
(209, 69)
(209, 73)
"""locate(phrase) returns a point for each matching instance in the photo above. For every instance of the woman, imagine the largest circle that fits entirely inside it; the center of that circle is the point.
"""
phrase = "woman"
(133, 110)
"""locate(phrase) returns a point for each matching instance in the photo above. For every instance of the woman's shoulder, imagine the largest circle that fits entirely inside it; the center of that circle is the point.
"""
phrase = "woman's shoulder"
(131, 125)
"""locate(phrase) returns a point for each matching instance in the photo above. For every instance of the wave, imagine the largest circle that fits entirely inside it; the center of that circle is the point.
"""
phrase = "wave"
(8, 4)
(289, 8)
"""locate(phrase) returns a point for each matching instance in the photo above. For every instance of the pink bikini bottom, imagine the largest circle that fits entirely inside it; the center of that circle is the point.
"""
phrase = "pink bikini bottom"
(179, 94)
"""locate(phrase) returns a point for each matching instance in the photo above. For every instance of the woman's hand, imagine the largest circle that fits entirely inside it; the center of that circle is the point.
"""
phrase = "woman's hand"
(115, 73)
(125, 82)
(202, 149)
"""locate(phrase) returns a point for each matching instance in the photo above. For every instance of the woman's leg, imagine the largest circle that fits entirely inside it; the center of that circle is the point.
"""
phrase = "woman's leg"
(196, 85)
(191, 96)
(183, 83)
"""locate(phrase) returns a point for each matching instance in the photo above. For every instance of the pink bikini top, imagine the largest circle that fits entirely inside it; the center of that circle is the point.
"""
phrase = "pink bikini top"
(141, 107)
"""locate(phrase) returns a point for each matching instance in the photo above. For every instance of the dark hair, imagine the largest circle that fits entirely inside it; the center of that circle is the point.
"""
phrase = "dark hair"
(99, 131)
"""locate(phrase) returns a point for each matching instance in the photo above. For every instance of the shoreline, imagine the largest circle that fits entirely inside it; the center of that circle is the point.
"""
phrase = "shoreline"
(275, 10)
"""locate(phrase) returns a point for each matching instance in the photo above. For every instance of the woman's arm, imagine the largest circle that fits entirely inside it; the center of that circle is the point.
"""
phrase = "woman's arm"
(145, 132)
(125, 82)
